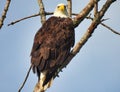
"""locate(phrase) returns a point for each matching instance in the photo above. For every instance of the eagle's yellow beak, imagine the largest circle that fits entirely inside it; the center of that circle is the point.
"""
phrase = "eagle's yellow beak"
(61, 8)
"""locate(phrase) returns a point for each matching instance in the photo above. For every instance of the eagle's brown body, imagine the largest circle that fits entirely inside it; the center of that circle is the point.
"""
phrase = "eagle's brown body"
(52, 44)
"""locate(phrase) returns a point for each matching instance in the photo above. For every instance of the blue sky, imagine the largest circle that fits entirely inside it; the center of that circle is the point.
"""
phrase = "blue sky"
(95, 69)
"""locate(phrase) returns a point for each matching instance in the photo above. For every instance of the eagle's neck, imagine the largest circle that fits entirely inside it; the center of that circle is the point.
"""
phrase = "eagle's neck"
(60, 14)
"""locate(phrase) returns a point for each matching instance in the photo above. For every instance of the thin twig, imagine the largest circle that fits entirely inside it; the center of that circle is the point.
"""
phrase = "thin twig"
(42, 11)
(34, 15)
(69, 6)
(4, 13)
(106, 26)
(25, 79)
(104, 19)
(89, 17)
(12, 23)
(110, 28)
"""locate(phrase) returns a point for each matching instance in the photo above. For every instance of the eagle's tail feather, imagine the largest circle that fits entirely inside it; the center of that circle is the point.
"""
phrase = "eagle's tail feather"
(39, 86)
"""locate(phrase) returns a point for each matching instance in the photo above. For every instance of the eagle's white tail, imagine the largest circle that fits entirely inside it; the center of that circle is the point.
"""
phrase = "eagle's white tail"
(39, 86)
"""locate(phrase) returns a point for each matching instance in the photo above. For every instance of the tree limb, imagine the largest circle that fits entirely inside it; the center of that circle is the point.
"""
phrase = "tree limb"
(25, 79)
(42, 11)
(112, 30)
(4, 13)
(87, 35)
(34, 15)
(69, 7)
(106, 26)
(81, 16)
(12, 23)
(95, 8)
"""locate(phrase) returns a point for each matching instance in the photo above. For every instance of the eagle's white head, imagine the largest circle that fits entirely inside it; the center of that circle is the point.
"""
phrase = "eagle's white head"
(61, 11)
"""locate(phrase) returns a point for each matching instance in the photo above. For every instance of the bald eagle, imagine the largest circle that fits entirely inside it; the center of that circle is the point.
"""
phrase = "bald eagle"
(52, 45)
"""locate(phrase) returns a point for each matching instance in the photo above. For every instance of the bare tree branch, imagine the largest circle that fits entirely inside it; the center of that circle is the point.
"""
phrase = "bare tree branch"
(12, 23)
(69, 7)
(106, 26)
(4, 13)
(25, 79)
(95, 8)
(87, 35)
(42, 11)
(34, 15)
(81, 16)
(110, 28)
(105, 7)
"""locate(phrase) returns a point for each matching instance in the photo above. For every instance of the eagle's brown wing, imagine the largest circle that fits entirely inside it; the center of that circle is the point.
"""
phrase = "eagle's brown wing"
(52, 44)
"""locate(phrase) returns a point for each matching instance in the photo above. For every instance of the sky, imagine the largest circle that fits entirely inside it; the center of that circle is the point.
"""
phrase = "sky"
(96, 68)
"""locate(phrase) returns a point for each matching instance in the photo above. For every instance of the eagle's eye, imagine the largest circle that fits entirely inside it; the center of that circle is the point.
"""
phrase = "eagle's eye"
(58, 6)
